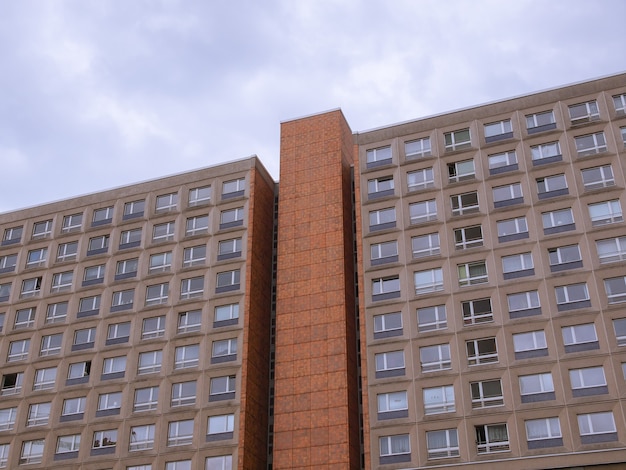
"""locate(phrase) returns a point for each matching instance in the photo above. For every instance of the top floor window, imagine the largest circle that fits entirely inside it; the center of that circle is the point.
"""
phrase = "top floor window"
(166, 202)
(378, 157)
(42, 229)
(419, 148)
(102, 216)
(457, 140)
(198, 196)
(72, 222)
(539, 122)
(134, 209)
(498, 131)
(619, 101)
(12, 235)
(233, 188)
(584, 112)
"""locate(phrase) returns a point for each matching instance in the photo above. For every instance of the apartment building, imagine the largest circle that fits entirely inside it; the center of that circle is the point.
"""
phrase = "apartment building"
(447, 292)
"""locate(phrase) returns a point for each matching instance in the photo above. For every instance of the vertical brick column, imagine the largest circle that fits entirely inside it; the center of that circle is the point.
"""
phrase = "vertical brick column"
(316, 420)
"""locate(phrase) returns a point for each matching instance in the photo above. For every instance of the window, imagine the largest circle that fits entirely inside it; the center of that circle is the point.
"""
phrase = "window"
(84, 338)
(420, 179)
(423, 211)
(472, 273)
(73, 408)
(5, 291)
(130, 238)
(466, 203)
(619, 325)
(552, 186)
(166, 202)
(598, 177)
(180, 433)
(431, 318)
(45, 378)
(223, 462)
(7, 418)
(378, 157)
(98, 245)
(126, 269)
(222, 388)
(8, 263)
(422, 246)
(385, 288)
(18, 350)
(150, 362)
(481, 351)
(492, 438)
(442, 444)
(4, 455)
(51, 344)
(419, 148)
(12, 383)
(523, 304)
(93, 275)
(536, 387)
(42, 229)
(163, 232)
(507, 195)
(12, 235)
(385, 252)
(393, 447)
(530, 344)
(572, 296)
(146, 399)
(611, 249)
(198, 196)
(32, 451)
(546, 153)
(392, 405)
(2, 315)
(36, 257)
(223, 313)
(122, 300)
(184, 393)
(388, 324)
(88, 306)
(597, 427)
(186, 356)
(62, 281)
(580, 337)
(565, 257)
(477, 311)
(498, 131)
(584, 112)
(114, 366)
(38, 414)
(224, 350)
(221, 424)
(558, 221)
(608, 212)
(438, 400)
(468, 237)
(160, 262)
(486, 394)
(503, 162)
(157, 294)
(228, 248)
(24, 318)
(430, 280)
(30, 287)
(590, 144)
(192, 288)
(134, 209)
(233, 188)
(383, 219)
(615, 289)
(544, 432)
(519, 265)
(118, 333)
(141, 437)
(195, 255)
(153, 327)
(102, 216)
(67, 251)
(588, 381)
(461, 171)
(619, 101)
(512, 229)
(231, 218)
(104, 439)
(457, 140)
(623, 131)
(109, 403)
(72, 223)
(191, 321)
(380, 187)
(227, 281)
(140, 467)
(434, 358)
(78, 372)
(389, 364)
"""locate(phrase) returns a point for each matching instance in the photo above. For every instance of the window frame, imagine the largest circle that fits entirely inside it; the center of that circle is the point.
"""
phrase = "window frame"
(444, 361)
(426, 211)
(435, 284)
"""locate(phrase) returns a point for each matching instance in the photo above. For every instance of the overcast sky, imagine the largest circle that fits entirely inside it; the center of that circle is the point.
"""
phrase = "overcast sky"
(96, 94)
